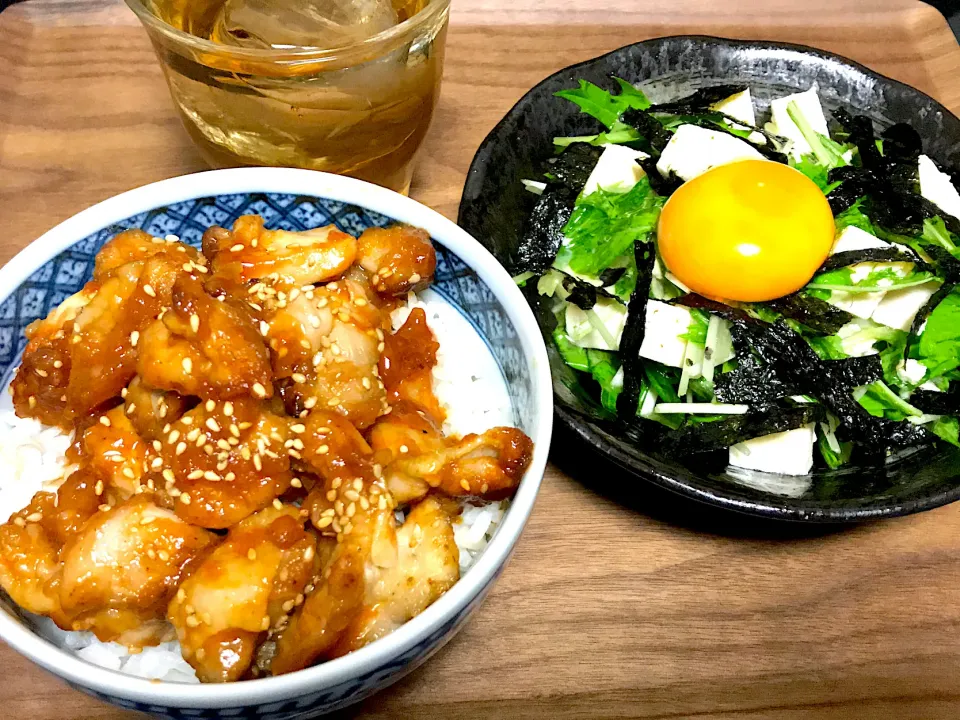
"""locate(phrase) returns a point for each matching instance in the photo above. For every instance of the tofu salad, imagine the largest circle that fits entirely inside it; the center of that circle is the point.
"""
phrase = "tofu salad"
(763, 287)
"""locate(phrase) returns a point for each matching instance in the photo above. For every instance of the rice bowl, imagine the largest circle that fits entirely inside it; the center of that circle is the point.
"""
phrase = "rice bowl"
(342, 673)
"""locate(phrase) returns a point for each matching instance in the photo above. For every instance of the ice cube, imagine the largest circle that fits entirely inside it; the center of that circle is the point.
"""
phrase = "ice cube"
(284, 24)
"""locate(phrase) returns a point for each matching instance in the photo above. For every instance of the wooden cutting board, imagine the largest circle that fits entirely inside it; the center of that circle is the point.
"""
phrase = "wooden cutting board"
(656, 611)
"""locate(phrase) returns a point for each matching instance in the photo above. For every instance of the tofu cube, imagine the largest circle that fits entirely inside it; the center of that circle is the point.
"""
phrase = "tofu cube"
(581, 331)
(899, 307)
(664, 326)
(853, 238)
(740, 107)
(785, 453)
(937, 187)
(616, 169)
(693, 150)
(782, 124)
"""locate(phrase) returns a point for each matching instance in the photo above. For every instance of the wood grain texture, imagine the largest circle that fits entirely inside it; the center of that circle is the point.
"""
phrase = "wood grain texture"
(660, 610)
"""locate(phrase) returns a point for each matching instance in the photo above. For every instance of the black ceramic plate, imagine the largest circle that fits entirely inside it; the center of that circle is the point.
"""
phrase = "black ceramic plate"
(495, 205)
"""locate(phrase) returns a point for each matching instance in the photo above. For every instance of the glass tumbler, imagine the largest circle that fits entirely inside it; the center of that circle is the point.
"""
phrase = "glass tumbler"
(361, 109)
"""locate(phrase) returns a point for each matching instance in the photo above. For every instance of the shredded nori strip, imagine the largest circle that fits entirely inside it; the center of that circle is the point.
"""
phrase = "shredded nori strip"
(794, 364)
(707, 437)
(751, 383)
(727, 312)
(896, 253)
(937, 403)
(699, 101)
(634, 328)
(543, 232)
(610, 276)
(583, 294)
(948, 267)
(812, 312)
(928, 307)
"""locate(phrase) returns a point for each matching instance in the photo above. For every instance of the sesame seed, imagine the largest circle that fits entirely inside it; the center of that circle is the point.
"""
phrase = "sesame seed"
(223, 444)
(168, 475)
(34, 517)
(163, 555)
(210, 405)
(187, 420)
(465, 485)
(105, 421)
(211, 476)
(42, 373)
(195, 475)
(195, 322)
(181, 593)
(404, 449)
(358, 484)
(296, 483)
(212, 425)
(193, 435)
(234, 430)
(156, 463)
(131, 408)
(264, 328)
(32, 402)
(299, 377)
(128, 473)
(259, 390)
(185, 498)
(181, 448)
(257, 463)
(228, 408)
(230, 477)
(236, 248)
(19, 522)
(366, 383)
(298, 428)
(333, 402)
(265, 625)
(360, 302)
(277, 504)
(317, 359)
(331, 495)
(323, 450)
(187, 364)
(310, 402)
(59, 364)
(148, 289)
(173, 436)
(351, 494)
(151, 553)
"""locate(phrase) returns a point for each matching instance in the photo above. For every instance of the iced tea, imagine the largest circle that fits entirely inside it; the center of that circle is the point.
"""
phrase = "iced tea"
(345, 86)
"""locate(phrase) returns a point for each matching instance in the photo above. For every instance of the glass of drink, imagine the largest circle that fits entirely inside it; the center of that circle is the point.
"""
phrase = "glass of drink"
(345, 86)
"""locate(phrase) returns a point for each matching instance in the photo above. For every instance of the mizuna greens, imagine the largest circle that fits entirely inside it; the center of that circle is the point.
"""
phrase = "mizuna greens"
(862, 361)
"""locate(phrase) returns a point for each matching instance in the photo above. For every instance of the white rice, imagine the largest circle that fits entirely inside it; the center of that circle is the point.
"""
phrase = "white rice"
(467, 381)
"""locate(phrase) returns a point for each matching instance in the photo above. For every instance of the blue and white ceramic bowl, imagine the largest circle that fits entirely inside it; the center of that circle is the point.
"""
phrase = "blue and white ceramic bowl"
(61, 261)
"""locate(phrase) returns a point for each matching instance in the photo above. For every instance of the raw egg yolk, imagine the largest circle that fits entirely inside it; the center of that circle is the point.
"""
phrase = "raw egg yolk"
(749, 231)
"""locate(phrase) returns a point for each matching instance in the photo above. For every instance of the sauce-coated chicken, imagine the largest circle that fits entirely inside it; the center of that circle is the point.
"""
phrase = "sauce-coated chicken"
(247, 432)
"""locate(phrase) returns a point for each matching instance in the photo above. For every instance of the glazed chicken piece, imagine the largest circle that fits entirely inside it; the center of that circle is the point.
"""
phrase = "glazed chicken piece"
(97, 355)
(40, 383)
(360, 511)
(224, 461)
(428, 564)
(135, 245)
(121, 570)
(151, 410)
(288, 259)
(243, 589)
(113, 450)
(409, 443)
(489, 465)
(406, 366)
(204, 347)
(325, 344)
(30, 541)
(399, 258)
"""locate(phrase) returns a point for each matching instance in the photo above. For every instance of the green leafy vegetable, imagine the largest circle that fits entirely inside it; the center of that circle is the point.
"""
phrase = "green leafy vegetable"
(617, 135)
(522, 278)
(854, 216)
(826, 151)
(883, 279)
(600, 364)
(935, 232)
(880, 401)
(606, 224)
(697, 332)
(946, 428)
(810, 167)
(661, 383)
(604, 106)
(939, 346)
